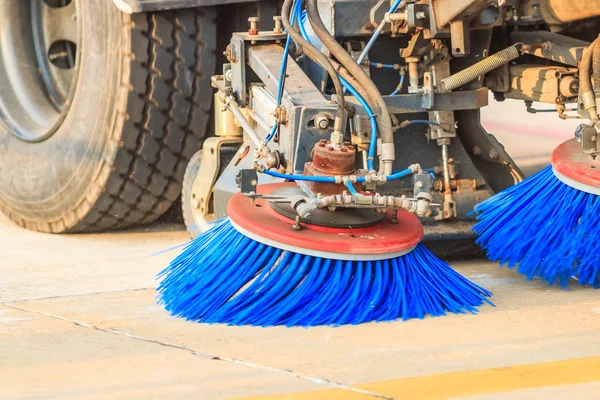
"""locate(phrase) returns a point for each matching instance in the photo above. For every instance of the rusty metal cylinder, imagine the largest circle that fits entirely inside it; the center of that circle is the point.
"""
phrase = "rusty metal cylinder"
(328, 160)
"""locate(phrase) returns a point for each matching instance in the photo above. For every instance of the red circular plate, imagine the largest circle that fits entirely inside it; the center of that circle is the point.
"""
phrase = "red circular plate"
(381, 241)
(576, 169)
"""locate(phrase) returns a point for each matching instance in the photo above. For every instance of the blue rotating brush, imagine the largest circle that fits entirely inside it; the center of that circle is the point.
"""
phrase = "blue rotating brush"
(548, 225)
(254, 269)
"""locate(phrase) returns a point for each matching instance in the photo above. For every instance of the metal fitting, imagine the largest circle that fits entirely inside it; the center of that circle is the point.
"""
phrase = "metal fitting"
(278, 24)
(322, 121)
(230, 54)
(253, 30)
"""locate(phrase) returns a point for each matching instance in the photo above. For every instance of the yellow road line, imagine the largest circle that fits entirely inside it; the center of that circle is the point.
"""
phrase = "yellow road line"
(468, 383)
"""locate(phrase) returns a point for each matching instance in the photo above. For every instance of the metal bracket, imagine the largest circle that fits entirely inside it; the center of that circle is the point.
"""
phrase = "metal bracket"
(203, 185)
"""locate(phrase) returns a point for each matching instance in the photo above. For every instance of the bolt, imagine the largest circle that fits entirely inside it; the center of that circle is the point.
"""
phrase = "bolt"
(476, 150)
(297, 225)
(394, 219)
(278, 25)
(344, 150)
(419, 184)
(253, 26)
(493, 154)
(421, 15)
(228, 75)
(322, 122)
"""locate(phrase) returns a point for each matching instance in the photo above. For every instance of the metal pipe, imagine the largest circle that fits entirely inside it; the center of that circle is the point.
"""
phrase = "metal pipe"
(413, 73)
(446, 166)
(233, 106)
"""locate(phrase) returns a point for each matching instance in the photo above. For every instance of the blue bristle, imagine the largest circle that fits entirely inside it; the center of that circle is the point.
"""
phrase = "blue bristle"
(543, 228)
(225, 277)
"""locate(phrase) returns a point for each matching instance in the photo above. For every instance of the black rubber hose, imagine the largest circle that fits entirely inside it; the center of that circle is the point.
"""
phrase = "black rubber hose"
(374, 98)
(314, 54)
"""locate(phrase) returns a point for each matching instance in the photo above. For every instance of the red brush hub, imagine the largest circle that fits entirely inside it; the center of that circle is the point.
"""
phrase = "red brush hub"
(383, 240)
(576, 169)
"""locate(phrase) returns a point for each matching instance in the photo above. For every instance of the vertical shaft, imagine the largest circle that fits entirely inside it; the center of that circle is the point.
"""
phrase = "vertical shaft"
(445, 162)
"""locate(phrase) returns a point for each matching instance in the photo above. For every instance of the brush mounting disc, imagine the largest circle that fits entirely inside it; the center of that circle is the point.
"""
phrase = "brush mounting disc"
(380, 241)
(576, 169)
(341, 218)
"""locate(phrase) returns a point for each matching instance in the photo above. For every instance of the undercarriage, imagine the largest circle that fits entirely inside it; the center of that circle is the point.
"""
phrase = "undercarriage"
(376, 105)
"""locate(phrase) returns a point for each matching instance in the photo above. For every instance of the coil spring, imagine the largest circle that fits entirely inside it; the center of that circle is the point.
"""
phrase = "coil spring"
(481, 68)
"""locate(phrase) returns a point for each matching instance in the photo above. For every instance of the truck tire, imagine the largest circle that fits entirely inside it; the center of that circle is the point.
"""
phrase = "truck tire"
(117, 153)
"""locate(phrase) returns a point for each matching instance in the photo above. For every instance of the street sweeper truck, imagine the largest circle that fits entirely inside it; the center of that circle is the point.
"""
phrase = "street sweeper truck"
(344, 130)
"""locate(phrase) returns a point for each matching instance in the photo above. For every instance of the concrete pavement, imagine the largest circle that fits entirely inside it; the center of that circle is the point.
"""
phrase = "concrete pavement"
(78, 320)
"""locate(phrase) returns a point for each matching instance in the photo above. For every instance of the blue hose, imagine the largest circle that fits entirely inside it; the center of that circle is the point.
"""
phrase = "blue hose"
(423, 121)
(351, 189)
(380, 65)
(363, 102)
(400, 86)
(303, 28)
(324, 179)
(399, 175)
(305, 178)
(283, 69)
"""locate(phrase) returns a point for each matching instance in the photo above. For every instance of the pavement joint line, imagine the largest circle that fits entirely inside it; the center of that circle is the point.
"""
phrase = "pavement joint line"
(206, 356)
(74, 295)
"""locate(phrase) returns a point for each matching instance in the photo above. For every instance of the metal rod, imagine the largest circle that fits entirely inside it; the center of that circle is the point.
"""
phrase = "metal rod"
(413, 72)
(241, 119)
(446, 162)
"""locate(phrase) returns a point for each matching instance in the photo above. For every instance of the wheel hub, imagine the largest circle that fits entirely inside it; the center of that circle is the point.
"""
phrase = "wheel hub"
(39, 64)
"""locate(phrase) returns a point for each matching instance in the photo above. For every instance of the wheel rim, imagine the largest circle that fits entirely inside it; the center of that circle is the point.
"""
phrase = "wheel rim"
(39, 64)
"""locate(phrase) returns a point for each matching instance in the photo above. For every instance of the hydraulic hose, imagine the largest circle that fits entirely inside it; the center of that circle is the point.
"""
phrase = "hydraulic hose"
(585, 80)
(314, 54)
(476, 70)
(373, 95)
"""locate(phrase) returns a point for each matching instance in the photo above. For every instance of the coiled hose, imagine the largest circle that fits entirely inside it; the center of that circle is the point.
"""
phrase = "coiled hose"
(476, 70)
